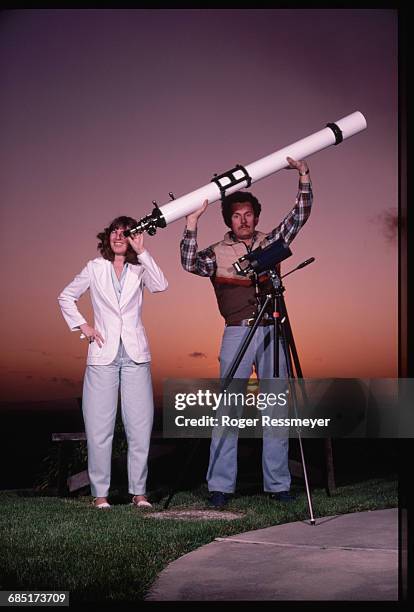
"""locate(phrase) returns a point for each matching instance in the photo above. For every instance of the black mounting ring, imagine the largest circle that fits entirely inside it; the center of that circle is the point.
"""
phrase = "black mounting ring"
(337, 132)
(233, 181)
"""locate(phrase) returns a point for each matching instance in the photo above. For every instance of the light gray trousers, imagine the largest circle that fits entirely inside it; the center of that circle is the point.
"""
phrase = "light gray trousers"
(99, 404)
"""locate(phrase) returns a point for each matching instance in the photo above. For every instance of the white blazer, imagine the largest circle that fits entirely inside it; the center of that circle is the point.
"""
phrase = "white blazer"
(113, 319)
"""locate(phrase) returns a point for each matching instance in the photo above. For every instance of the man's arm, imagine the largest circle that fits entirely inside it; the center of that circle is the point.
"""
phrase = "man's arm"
(202, 263)
(297, 217)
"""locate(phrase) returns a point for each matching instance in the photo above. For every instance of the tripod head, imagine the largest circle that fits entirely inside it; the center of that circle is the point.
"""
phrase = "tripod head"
(276, 280)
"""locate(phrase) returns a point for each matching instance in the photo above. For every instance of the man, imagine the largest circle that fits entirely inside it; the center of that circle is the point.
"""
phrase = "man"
(238, 305)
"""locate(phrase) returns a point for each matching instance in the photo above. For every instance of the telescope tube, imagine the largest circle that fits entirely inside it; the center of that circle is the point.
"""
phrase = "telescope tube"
(241, 177)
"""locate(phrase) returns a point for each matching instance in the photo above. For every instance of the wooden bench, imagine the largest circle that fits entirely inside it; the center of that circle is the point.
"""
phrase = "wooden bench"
(68, 484)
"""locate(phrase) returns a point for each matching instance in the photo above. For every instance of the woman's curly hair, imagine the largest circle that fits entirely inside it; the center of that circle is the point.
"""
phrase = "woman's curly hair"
(104, 246)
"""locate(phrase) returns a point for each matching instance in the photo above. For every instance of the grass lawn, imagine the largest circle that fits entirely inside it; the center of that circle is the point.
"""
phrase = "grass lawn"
(102, 556)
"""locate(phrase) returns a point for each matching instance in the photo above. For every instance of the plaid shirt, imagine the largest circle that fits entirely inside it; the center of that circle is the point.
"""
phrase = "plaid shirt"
(203, 263)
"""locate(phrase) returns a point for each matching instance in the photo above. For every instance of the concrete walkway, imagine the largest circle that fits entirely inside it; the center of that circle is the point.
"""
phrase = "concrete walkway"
(353, 557)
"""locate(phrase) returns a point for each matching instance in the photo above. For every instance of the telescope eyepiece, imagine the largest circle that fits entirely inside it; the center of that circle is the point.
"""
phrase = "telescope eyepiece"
(133, 230)
(148, 224)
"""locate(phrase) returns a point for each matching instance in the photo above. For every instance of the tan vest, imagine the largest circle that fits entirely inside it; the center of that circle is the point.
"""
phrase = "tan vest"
(235, 294)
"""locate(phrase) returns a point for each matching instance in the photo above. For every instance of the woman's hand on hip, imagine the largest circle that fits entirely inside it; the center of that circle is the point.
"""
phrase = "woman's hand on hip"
(92, 334)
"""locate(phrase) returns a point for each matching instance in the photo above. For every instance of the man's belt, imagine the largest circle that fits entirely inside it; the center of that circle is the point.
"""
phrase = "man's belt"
(250, 323)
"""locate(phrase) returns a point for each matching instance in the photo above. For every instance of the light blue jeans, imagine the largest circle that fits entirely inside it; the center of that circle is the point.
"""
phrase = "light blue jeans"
(99, 404)
(222, 469)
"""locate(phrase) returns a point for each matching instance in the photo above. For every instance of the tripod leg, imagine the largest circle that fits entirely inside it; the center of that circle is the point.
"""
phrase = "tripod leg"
(276, 317)
(228, 377)
(329, 465)
(289, 341)
(290, 348)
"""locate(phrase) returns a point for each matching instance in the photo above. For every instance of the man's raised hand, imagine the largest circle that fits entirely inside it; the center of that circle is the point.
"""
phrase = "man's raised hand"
(192, 218)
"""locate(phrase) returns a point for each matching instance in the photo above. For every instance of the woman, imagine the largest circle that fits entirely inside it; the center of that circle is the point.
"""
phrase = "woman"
(118, 353)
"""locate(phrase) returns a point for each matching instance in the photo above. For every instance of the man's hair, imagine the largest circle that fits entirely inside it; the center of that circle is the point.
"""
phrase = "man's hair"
(238, 197)
(104, 246)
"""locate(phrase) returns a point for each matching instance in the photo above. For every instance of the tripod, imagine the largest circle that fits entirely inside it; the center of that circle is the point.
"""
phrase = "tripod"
(281, 328)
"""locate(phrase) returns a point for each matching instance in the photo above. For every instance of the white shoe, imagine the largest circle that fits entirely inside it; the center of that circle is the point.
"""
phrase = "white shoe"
(144, 503)
(101, 505)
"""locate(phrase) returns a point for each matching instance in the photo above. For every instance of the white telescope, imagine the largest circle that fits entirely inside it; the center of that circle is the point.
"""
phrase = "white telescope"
(240, 176)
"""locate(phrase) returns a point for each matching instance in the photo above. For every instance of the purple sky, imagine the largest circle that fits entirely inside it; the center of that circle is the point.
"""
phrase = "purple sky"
(103, 111)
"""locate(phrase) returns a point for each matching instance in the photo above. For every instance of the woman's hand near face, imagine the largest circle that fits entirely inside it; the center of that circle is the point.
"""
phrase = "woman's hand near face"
(137, 243)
